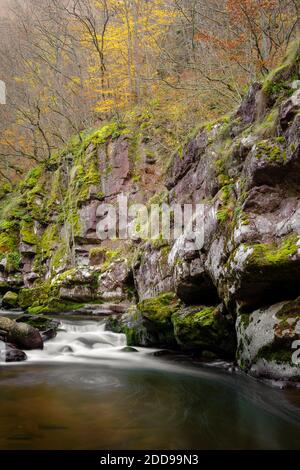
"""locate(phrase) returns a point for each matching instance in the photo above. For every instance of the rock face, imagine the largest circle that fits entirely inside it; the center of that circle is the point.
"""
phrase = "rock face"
(229, 287)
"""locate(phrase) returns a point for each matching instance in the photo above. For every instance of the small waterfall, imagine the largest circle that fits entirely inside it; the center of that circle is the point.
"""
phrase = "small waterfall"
(79, 340)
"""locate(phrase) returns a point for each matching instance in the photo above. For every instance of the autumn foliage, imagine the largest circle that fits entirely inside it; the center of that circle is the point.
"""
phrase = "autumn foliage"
(72, 64)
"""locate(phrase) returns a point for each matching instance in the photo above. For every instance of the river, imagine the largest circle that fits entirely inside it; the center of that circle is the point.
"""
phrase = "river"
(85, 392)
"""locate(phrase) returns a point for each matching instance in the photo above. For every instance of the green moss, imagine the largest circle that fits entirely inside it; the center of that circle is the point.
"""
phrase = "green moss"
(160, 309)
(27, 233)
(10, 299)
(136, 178)
(36, 296)
(59, 257)
(269, 254)
(55, 306)
(223, 214)
(48, 241)
(135, 328)
(268, 127)
(13, 262)
(32, 177)
(290, 310)
(5, 189)
(107, 256)
(271, 152)
(222, 121)
(226, 211)
(204, 329)
(245, 320)
(8, 242)
(41, 322)
(274, 354)
(205, 317)
(278, 80)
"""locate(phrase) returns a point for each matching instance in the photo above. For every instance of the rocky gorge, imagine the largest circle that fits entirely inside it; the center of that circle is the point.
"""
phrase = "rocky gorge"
(237, 298)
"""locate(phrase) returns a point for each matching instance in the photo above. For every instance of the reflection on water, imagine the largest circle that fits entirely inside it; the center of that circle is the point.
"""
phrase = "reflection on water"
(92, 395)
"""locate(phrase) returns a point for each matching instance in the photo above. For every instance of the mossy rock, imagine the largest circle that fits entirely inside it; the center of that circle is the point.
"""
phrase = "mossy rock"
(46, 326)
(274, 254)
(31, 297)
(157, 314)
(160, 309)
(133, 325)
(149, 323)
(10, 300)
(278, 80)
(204, 328)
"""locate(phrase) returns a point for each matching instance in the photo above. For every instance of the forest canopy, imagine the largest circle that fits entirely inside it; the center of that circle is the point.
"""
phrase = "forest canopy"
(70, 65)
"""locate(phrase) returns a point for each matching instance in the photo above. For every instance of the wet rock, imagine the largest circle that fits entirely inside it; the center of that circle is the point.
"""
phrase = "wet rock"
(149, 323)
(21, 335)
(129, 349)
(115, 283)
(205, 329)
(266, 340)
(47, 326)
(9, 353)
(105, 309)
(66, 350)
(270, 163)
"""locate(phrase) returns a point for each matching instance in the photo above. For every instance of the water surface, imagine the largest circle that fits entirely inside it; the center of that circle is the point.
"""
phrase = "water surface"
(84, 392)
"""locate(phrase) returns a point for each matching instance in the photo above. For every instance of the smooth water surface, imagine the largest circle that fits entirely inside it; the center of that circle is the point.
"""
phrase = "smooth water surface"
(84, 392)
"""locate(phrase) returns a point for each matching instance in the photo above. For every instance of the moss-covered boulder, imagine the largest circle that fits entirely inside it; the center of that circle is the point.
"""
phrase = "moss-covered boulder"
(258, 274)
(204, 329)
(133, 325)
(149, 323)
(164, 321)
(10, 300)
(46, 326)
(268, 340)
(157, 314)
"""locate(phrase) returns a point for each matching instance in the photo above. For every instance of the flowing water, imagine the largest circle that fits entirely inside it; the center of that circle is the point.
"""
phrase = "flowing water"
(85, 392)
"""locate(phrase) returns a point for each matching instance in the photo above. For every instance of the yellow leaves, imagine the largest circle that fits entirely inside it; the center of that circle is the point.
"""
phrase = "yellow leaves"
(104, 106)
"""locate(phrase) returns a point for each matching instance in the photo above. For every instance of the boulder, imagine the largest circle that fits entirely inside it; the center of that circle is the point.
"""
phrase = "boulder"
(21, 335)
(268, 339)
(258, 274)
(201, 328)
(149, 323)
(10, 300)
(46, 326)
(9, 353)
